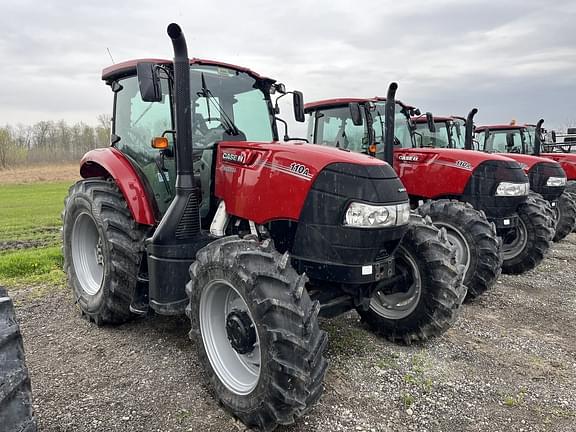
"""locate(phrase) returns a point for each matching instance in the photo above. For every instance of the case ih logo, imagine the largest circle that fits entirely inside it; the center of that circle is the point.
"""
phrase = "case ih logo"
(464, 164)
(233, 157)
(408, 158)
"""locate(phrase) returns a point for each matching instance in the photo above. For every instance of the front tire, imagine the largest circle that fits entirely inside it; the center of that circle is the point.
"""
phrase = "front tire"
(526, 245)
(475, 239)
(256, 331)
(566, 216)
(102, 247)
(16, 413)
(425, 261)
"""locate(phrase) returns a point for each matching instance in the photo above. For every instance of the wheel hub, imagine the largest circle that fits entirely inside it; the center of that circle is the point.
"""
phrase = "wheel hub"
(240, 331)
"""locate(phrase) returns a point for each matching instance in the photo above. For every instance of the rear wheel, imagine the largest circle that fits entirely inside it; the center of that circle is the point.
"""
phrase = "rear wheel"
(525, 245)
(475, 239)
(565, 215)
(422, 300)
(16, 412)
(256, 331)
(102, 247)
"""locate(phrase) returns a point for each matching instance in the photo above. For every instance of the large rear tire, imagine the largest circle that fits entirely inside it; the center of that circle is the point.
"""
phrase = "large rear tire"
(256, 331)
(526, 245)
(16, 413)
(475, 238)
(103, 247)
(426, 263)
(566, 216)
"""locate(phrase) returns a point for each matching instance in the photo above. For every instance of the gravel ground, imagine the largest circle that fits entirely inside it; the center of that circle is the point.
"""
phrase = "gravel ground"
(508, 365)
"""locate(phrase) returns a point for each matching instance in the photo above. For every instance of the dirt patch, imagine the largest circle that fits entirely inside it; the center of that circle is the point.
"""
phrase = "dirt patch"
(41, 173)
(508, 364)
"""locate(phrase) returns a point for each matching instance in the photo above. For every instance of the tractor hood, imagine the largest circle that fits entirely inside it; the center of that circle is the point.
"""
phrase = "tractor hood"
(271, 181)
(527, 162)
(466, 160)
(566, 160)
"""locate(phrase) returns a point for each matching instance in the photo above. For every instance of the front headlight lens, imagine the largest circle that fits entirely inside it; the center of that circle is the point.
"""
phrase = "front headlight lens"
(556, 181)
(373, 216)
(512, 189)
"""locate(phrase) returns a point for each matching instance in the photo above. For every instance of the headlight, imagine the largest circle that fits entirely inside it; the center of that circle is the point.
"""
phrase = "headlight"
(374, 216)
(556, 181)
(512, 189)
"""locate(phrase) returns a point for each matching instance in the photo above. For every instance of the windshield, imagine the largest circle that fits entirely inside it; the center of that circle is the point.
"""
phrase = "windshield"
(438, 139)
(502, 141)
(334, 127)
(530, 137)
(401, 126)
(458, 133)
(229, 104)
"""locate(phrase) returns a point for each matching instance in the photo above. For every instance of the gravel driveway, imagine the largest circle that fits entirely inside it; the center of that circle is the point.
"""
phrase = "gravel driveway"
(508, 365)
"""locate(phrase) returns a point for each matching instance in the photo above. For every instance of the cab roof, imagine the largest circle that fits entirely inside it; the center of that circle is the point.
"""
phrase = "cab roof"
(422, 119)
(328, 103)
(128, 68)
(500, 127)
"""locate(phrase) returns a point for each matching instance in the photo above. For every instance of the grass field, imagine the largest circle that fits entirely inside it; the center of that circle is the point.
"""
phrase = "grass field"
(30, 228)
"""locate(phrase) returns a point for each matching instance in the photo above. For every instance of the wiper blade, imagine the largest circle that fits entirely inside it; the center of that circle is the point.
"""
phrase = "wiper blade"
(230, 127)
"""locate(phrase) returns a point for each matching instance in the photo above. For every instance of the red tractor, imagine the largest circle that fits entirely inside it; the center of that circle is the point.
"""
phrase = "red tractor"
(293, 231)
(561, 153)
(446, 184)
(547, 177)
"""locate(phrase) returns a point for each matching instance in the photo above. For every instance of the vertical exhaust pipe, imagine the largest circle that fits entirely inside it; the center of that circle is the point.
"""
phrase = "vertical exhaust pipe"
(538, 137)
(468, 134)
(389, 117)
(173, 246)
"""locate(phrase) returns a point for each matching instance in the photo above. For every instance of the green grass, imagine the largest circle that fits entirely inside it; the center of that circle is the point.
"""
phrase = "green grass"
(32, 266)
(30, 213)
(30, 233)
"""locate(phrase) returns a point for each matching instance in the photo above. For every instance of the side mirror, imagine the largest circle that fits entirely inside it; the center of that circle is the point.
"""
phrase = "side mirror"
(355, 113)
(298, 99)
(430, 121)
(148, 82)
(553, 133)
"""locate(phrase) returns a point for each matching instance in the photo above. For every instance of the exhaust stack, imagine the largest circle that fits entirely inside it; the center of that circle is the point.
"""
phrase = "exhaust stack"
(538, 137)
(468, 134)
(389, 116)
(174, 244)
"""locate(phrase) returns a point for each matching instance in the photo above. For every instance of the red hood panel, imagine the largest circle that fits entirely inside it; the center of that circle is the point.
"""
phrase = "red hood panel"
(267, 181)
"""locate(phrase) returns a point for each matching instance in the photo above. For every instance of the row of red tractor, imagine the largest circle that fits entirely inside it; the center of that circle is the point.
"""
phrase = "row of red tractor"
(199, 208)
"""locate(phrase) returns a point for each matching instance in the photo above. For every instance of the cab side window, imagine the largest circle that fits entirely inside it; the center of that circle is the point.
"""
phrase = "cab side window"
(135, 124)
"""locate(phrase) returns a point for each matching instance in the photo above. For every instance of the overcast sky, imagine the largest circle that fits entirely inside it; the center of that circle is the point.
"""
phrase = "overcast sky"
(511, 59)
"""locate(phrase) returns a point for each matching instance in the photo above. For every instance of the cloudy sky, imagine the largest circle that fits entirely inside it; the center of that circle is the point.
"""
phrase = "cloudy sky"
(512, 59)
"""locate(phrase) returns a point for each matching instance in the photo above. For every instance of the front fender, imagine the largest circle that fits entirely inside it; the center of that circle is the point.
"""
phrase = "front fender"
(110, 162)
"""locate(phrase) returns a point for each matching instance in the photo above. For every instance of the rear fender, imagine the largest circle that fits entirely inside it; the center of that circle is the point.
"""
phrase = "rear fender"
(109, 162)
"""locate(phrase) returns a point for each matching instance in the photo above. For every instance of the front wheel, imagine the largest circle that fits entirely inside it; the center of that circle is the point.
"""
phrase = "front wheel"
(525, 245)
(256, 331)
(423, 298)
(475, 239)
(566, 216)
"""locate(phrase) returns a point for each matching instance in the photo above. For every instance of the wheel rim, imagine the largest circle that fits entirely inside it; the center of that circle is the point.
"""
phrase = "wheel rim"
(400, 304)
(87, 254)
(238, 372)
(515, 241)
(457, 239)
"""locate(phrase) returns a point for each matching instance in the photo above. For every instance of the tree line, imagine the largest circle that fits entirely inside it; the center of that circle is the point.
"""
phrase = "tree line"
(51, 142)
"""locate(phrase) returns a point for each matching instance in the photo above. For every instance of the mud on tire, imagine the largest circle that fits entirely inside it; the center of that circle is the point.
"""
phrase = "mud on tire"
(537, 225)
(284, 356)
(102, 248)
(476, 235)
(566, 220)
(426, 255)
(16, 412)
